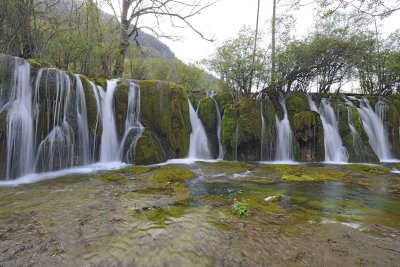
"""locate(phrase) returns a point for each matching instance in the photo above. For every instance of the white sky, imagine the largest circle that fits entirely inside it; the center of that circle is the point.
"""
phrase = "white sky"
(224, 20)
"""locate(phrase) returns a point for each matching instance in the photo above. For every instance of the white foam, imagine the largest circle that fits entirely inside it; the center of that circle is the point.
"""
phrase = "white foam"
(36, 177)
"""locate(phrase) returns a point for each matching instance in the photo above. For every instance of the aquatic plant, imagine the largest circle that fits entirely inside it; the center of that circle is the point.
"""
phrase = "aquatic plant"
(241, 209)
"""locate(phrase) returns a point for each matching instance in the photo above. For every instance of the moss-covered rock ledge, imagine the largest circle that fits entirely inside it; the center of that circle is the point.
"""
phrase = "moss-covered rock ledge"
(165, 114)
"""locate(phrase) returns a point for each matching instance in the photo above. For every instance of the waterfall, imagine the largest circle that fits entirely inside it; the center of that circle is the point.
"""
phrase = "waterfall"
(109, 148)
(20, 139)
(199, 147)
(83, 130)
(334, 149)
(56, 150)
(357, 142)
(284, 135)
(133, 127)
(373, 126)
(47, 121)
(95, 91)
(221, 151)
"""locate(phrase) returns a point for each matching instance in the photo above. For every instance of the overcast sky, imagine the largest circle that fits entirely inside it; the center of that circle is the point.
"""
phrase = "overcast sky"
(224, 20)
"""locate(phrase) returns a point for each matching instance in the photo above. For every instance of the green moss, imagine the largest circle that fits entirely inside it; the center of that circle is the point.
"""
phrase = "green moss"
(307, 173)
(167, 180)
(121, 97)
(228, 125)
(250, 121)
(35, 63)
(224, 99)
(304, 120)
(134, 170)
(91, 105)
(229, 167)
(370, 169)
(296, 102)
(99, 81)
(165, 110)
(161, 215)
(147, 151)
(170, 173)
(113, 177)
(208, 116)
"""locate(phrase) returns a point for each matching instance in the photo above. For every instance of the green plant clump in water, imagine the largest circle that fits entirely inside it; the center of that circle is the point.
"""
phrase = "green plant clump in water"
(241, 209)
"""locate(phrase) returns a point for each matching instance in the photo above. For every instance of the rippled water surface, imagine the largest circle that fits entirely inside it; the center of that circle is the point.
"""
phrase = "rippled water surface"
(345, 215)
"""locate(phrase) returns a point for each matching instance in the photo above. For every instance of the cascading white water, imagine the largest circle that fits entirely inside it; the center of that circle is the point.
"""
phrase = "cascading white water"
(56, 150)
(51, 109)
(357, 142)
(373, 126)
(284, 136)
(199, 147)
(221, 151)
(133, 127)
(83, 130)
(20, 139)
(109, 148)
(334, 149)
(95, 91)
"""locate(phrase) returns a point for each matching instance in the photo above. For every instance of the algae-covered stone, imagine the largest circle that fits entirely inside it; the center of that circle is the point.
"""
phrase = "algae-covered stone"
(308, 131)
(223, 99)
(208, 116)
(165, 112)
(268, 110)
(229, 135)
(148, 150)
(249, 130)
(295, 103)
(392, 123)
(241, 130)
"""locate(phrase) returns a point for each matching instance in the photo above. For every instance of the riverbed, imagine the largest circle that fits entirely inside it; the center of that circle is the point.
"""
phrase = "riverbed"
(182, 215)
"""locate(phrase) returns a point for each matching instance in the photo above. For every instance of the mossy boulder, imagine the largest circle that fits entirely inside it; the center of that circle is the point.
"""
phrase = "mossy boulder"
(241, 130)
(208, 115)
(148, 150)
(223, 99)
(229, 135)
(268, 109)
(249, 130)
(392, 123)
(295, 103)
(165, 113)
(308, 131)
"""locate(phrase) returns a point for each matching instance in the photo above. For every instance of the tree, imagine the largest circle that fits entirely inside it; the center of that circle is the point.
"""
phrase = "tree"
(234, 64)
(373, 8)
(132, 15)
(19, 21)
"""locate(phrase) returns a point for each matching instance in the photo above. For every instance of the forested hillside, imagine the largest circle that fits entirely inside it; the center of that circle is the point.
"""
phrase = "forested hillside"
(78, 36)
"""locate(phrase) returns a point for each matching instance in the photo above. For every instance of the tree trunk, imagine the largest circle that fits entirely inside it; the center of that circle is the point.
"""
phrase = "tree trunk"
(273, 52)
(123, 47)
